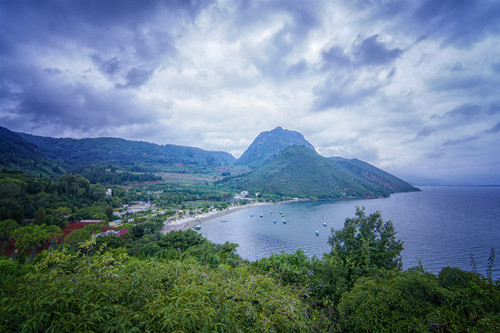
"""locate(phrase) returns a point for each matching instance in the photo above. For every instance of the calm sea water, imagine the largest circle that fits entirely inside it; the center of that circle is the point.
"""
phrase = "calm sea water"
(441, 226)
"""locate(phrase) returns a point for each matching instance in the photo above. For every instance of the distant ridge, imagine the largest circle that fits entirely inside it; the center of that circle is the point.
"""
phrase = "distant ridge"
(298, 171)
(16, 153)
(372, 174)
(279, 161)
(131, 155)
(269, 143)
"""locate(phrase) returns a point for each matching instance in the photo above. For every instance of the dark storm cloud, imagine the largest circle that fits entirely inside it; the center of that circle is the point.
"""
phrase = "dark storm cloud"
(371, 52)
(460, 23)
(496, 67)
(135, 78)
(494, 129)
(108, 67)
(425, 132)
(121, 38)
(342, 88)
(77, 106)
(460, 82)
(334, 94)
(464, 112)
(461, 141)
(335, 58)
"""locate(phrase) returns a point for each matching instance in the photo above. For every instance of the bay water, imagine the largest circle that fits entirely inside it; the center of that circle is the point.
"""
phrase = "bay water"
(440, 226)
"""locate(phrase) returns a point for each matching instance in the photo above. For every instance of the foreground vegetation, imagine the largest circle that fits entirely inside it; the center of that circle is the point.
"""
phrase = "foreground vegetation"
(146, 281)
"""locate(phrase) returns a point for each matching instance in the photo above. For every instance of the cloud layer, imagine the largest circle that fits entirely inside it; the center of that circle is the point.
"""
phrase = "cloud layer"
(411, 87)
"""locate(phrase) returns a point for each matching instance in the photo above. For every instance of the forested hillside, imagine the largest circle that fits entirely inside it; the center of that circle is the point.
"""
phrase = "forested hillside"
(267, 144)
(19, 154)
(147, 281)
(130, 155)
(300, 172)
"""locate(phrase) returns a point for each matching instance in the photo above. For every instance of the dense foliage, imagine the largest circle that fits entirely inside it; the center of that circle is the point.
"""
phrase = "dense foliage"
(110, 175)
(300, 172)
(147, 281)
(19, 154)
(130, 155)
(51, 202)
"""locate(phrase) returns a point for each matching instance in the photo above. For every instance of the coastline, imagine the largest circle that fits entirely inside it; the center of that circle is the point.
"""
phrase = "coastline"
(191, 222)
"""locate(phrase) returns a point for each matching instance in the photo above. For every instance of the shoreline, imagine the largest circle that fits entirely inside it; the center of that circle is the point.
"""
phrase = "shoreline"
(191, 222)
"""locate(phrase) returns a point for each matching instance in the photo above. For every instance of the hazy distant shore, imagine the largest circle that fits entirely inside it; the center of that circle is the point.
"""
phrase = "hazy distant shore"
(191, 222)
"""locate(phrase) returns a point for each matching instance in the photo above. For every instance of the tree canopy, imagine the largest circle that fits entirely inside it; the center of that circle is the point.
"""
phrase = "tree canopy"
(367, 243)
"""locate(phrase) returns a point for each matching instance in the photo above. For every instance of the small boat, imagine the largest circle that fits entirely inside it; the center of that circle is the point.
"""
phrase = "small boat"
(284, 221)
(274, 221)
(317, 233)
(198, 227)
(324, 224)
(223, 220)
(251, 215)
(261, 216)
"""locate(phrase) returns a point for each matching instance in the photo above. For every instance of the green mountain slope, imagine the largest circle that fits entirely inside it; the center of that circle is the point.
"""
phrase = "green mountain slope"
(269, 143)
(300, 172)
(18, 154)
(372, 175)
(130, 155)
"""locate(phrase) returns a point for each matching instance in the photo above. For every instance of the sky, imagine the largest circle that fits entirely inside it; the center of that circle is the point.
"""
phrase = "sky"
(412, 87)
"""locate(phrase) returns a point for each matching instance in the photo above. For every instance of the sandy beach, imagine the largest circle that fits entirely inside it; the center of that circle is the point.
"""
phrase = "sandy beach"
(191, 222)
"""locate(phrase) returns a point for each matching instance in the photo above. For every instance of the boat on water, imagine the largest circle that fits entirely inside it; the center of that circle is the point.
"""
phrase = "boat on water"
(251, 215)
(198, 227)
(274, 221)
(284, 221)
(324, 224)
(223, 220)
(317, 233)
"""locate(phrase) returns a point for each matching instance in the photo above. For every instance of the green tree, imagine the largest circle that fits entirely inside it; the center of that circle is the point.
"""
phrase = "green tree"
(366, 243)
(31, 236)
(7, 227)
(74, 186)
(77, 236)
(40, 216)
(91, 213)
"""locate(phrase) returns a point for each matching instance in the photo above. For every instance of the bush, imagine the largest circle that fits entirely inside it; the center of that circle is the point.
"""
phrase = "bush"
(392, 302)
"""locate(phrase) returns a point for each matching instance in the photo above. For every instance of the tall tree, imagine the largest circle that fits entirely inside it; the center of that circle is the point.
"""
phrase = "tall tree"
(31, 236)
(366, 243)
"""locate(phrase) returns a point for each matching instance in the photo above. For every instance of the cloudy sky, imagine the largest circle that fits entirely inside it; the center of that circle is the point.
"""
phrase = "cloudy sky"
(412, 87)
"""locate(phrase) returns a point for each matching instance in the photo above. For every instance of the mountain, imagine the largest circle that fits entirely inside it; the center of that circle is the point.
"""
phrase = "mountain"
(281, 162)
(130, 155)
(298, 171)
(267, 144)
(372, 174)
(19, 154)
